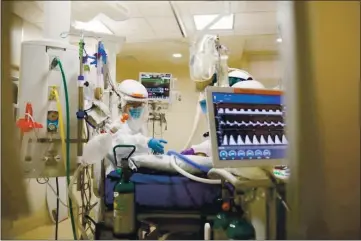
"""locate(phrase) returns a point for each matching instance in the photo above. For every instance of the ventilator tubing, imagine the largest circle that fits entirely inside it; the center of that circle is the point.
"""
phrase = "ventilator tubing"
(195, 123)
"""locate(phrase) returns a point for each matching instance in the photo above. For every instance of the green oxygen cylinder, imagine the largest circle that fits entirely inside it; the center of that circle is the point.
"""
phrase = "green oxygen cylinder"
(124, 220)
(240, 229)
(220, 226)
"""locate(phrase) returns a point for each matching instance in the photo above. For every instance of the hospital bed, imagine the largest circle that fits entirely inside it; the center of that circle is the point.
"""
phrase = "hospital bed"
(173, 203)
(168, 203)
(166, 200)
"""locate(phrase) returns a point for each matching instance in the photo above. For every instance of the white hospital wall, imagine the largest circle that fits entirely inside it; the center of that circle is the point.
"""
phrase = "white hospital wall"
(265, 67)
(31, 31)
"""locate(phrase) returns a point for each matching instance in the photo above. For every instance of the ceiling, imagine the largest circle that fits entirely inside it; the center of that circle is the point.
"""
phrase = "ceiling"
(156, 29)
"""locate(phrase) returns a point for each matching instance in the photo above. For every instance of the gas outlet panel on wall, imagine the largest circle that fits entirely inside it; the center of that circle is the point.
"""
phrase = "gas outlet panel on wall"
(56, 63)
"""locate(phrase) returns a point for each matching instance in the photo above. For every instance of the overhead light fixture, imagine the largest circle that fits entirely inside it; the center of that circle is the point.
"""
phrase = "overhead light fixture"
(93, 26)
(177, 55)
(279, 40)
(225, 23)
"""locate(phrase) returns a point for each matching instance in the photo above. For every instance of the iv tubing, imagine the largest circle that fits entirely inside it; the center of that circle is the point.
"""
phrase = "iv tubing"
(195, 123)
(25, 139)
(189, 161)
(30, 117)
(67, 145)
(190, 176)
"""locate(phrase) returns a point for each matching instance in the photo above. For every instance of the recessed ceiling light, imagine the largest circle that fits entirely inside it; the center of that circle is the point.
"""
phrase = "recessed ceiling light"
(225, 23)
(279, 40)
(177, 55)
(93, 26)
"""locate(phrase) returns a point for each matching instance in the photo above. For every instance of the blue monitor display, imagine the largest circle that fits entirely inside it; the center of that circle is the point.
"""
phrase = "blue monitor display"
(249, 126)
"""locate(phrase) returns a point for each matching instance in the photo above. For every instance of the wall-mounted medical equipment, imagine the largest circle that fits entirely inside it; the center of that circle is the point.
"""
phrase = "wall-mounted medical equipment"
(158, 85)
(160, 88)
(246, 127)
(48, 83)
(157, 115)
(53, 111)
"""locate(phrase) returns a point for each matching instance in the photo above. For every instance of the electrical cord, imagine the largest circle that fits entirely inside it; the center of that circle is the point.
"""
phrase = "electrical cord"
(72, 197)
(46, 181)
(57, 196)
(57, 209)
(90, 219)
(52, 189)
(87, 207)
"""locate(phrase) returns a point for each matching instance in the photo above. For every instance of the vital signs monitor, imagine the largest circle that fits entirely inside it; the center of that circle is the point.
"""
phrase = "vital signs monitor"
(157, 85)
(246, 127)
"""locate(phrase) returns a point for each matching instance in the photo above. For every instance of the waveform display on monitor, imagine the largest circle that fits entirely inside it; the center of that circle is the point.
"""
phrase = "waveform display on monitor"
(254, 111)
(256, 127)
(249, 126)
(241, 140)
(250, 123)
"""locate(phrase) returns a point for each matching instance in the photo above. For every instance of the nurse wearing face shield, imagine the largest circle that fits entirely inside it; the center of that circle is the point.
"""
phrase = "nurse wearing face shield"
(131, 128)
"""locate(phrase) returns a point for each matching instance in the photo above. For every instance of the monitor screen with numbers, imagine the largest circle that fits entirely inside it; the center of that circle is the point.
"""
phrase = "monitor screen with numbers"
(157, 84)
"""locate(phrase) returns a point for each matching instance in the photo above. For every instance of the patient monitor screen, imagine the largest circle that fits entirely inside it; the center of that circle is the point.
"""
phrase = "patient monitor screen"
(249, 125)
(157, 85)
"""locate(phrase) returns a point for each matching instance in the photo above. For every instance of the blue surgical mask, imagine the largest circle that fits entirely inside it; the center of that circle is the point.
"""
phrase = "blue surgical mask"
(203, 105)
(135, 113)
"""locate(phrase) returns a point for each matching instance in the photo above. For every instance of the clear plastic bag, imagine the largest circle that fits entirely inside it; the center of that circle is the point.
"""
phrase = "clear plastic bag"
(203, 56)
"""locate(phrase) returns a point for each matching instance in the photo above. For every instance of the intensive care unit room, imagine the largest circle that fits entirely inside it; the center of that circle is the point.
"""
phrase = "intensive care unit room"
(180, 120)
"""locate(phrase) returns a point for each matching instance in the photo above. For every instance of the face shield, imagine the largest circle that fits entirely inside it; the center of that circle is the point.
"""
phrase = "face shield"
(135, 109)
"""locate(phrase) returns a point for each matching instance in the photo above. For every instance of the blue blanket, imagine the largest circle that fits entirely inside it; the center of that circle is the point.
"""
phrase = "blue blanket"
(166, 191)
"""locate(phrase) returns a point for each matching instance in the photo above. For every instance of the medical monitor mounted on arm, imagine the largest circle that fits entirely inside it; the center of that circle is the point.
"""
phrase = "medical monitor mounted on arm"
(246, 127)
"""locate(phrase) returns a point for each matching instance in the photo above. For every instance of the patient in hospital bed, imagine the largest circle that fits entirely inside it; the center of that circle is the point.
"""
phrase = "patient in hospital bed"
(199, 153)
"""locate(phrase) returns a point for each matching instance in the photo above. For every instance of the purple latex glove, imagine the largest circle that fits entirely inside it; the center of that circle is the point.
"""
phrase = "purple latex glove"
(188, 151)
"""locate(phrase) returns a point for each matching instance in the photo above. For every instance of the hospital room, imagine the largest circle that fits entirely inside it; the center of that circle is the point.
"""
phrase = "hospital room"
(180, 120)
